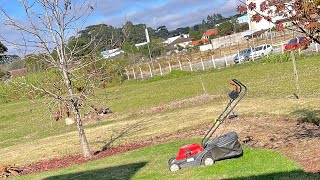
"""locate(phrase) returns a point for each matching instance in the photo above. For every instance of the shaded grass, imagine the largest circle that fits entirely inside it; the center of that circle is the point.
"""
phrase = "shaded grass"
(151, 163)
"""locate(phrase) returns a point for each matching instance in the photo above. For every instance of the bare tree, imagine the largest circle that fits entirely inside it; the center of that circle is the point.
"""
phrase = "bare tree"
(47, 31)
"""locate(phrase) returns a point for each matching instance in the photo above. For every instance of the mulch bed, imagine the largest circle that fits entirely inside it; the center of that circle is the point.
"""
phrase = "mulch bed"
(63, 162)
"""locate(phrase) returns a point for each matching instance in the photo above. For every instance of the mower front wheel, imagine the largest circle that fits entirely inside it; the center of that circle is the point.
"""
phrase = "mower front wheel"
(174, 167)
(207, 160)
(170, 160)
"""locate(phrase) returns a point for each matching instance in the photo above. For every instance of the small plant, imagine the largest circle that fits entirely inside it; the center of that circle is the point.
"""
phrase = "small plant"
(8, 171)
(309, 116)
(278, 58)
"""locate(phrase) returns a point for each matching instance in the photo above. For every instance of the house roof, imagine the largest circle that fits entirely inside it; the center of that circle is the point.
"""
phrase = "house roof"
(172, 39)
(181, 40)
(211, 32)
(255, 34)
(198, 41)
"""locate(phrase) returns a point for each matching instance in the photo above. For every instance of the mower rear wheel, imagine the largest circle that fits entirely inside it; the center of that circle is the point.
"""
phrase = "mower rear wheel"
(207, 160)
(174, 167)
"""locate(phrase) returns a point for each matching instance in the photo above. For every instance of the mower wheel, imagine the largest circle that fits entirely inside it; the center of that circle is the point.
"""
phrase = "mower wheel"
(174, 167)
(207, 160)
(170, 160)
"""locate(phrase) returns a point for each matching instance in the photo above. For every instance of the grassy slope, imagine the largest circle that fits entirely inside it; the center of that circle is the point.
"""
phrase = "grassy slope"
(151, 163)
(270, 87)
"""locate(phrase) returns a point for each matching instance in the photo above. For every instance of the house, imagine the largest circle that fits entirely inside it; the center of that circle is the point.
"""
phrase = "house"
(205, 37)
(112, 53)
(182, 42)
(18, 72)
(208, 33)
(172, 39)
(243, 19)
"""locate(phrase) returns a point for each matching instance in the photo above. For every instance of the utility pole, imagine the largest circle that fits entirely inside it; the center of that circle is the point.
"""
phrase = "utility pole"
(148, 41)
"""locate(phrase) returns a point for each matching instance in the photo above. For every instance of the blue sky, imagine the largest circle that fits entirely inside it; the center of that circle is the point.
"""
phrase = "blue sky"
(154, 13)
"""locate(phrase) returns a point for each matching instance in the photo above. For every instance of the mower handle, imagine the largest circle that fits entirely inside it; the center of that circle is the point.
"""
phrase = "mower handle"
(240, 84)
(233, 84)
(233, 102)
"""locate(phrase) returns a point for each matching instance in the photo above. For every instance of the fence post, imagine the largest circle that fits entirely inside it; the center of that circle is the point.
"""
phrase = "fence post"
(267, 53)
(252, 56)
(169, 66)
(202, 64)
(316, 47)
(134, 74)
(180, 65)
(190, 64)
(282, 47)
(160, 69)
(150, 70)
(239, 57)
(141, 74)
(214, 64)
(225, 59)
(127, 74)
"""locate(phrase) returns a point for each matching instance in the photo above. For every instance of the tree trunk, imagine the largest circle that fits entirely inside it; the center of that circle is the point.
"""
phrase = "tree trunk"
(295, 71)
(83, 139)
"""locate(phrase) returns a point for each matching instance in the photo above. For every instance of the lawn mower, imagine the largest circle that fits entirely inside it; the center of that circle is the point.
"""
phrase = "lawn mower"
(211, 150)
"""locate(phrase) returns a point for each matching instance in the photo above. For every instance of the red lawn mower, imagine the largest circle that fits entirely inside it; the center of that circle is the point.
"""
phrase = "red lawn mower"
(224, 147)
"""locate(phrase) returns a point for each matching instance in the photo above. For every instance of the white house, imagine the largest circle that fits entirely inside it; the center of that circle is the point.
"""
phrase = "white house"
(172, 39)
(181, 41)
(111, 53)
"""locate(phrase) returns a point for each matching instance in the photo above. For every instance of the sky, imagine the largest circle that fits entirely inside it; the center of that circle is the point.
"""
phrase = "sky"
(154, 13)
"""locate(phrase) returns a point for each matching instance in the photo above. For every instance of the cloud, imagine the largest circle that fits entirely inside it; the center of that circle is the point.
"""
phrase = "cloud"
(12, 36)
(173, 14)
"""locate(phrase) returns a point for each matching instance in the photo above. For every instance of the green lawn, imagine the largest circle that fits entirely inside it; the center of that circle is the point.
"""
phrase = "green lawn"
(263, 80)
(151, 163)
(270, 92)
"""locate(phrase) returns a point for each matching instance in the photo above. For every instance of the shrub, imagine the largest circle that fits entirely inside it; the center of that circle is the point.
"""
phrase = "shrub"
(309, 116)
(278, 58)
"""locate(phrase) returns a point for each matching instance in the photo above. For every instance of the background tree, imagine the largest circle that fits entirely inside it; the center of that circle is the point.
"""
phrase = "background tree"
(3, 48)
(72, 76)
(196, 35)
(162, 32)
(226, 28)
(303, 14)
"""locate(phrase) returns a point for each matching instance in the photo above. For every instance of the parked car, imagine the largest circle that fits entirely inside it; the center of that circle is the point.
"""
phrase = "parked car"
(263, 50)
(245, 55)
(296, 43)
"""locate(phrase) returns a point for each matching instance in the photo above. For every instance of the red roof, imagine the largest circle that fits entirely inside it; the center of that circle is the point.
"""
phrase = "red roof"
(198, 41)
(211, 32)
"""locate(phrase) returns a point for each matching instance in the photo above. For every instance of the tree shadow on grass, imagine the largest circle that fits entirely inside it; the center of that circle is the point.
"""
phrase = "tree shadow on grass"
(297, 174)
(122, 133)
(115, 173)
